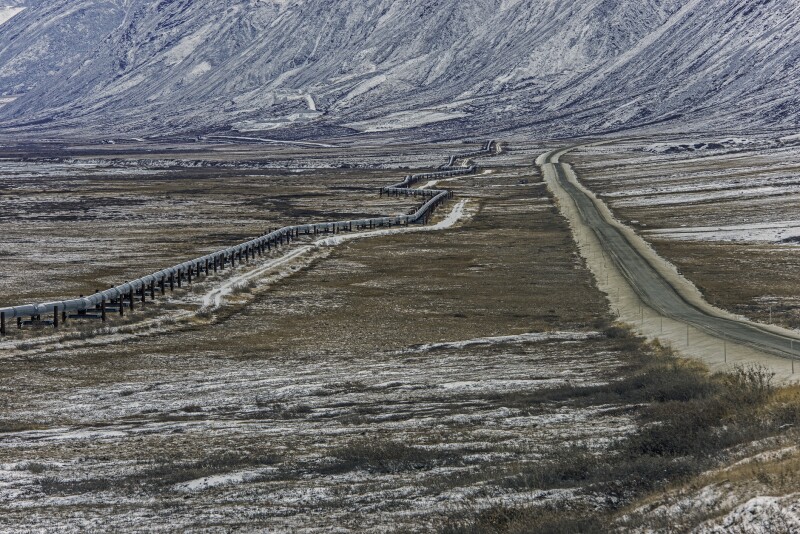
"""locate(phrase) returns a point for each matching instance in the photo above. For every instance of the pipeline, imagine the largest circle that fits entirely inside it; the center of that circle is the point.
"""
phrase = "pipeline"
(114, 299)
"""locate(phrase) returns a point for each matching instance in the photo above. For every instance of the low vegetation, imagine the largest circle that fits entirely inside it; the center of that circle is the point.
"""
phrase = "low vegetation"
(316, 407)
(687, 419)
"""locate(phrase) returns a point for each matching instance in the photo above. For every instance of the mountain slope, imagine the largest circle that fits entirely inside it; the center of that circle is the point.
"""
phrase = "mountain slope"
(182, 65)
(43, 39)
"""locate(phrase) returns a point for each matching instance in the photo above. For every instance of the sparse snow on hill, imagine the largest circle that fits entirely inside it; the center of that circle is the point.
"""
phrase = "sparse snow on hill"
(490, 65)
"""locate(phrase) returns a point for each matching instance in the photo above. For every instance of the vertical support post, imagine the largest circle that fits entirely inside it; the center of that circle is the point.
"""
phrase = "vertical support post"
(55, 317)
(131, 299)
(152, 290)
(180, 278)
(172, 282)
(190, 274)
(2, 323)
(19, 323)
(121, 306)
(103, 310)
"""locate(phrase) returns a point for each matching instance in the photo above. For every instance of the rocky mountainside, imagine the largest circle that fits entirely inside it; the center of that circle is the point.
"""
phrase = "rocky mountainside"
(306, 67)
(42, 40)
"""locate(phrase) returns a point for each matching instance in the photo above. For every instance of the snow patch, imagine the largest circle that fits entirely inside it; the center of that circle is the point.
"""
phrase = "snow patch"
(760, 515)
(405, 119)
(519, 338)
(186, 47)
(7, 13)
(199, 69)
(364, 87)
(771, 232)
(227, 479)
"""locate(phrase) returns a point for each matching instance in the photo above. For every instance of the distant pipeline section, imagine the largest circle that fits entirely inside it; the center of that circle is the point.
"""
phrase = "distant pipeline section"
(116, 299)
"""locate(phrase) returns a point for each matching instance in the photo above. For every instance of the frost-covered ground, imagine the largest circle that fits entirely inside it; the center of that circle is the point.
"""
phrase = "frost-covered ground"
(296, 442)
(736, 183)
(382, 385)
(386, 383)
(71, 224)
(755, 494)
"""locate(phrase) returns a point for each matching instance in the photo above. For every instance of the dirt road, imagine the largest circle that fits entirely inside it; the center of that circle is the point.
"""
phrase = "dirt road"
(658, 288)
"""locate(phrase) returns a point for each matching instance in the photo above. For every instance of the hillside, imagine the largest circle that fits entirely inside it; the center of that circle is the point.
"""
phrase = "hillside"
(307, 67)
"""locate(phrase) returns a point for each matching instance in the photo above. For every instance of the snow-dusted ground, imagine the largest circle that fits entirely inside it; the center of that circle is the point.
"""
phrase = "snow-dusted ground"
(754, 495)
(759, 515)
(391, 388)
(745, 189)
(405, 119)
(771, 232)
(116, 446)
(286, 416)
(93, 219)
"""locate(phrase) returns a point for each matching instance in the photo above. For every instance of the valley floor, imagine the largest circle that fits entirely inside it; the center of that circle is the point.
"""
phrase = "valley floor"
(463, 380)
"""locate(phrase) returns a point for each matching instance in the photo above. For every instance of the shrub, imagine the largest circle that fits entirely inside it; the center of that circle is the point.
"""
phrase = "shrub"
(566, 467)
(550, 518)
(618, 332)
(55, 486)
(34, 467)
(748, 385)
(386, 457)
(173, 472)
